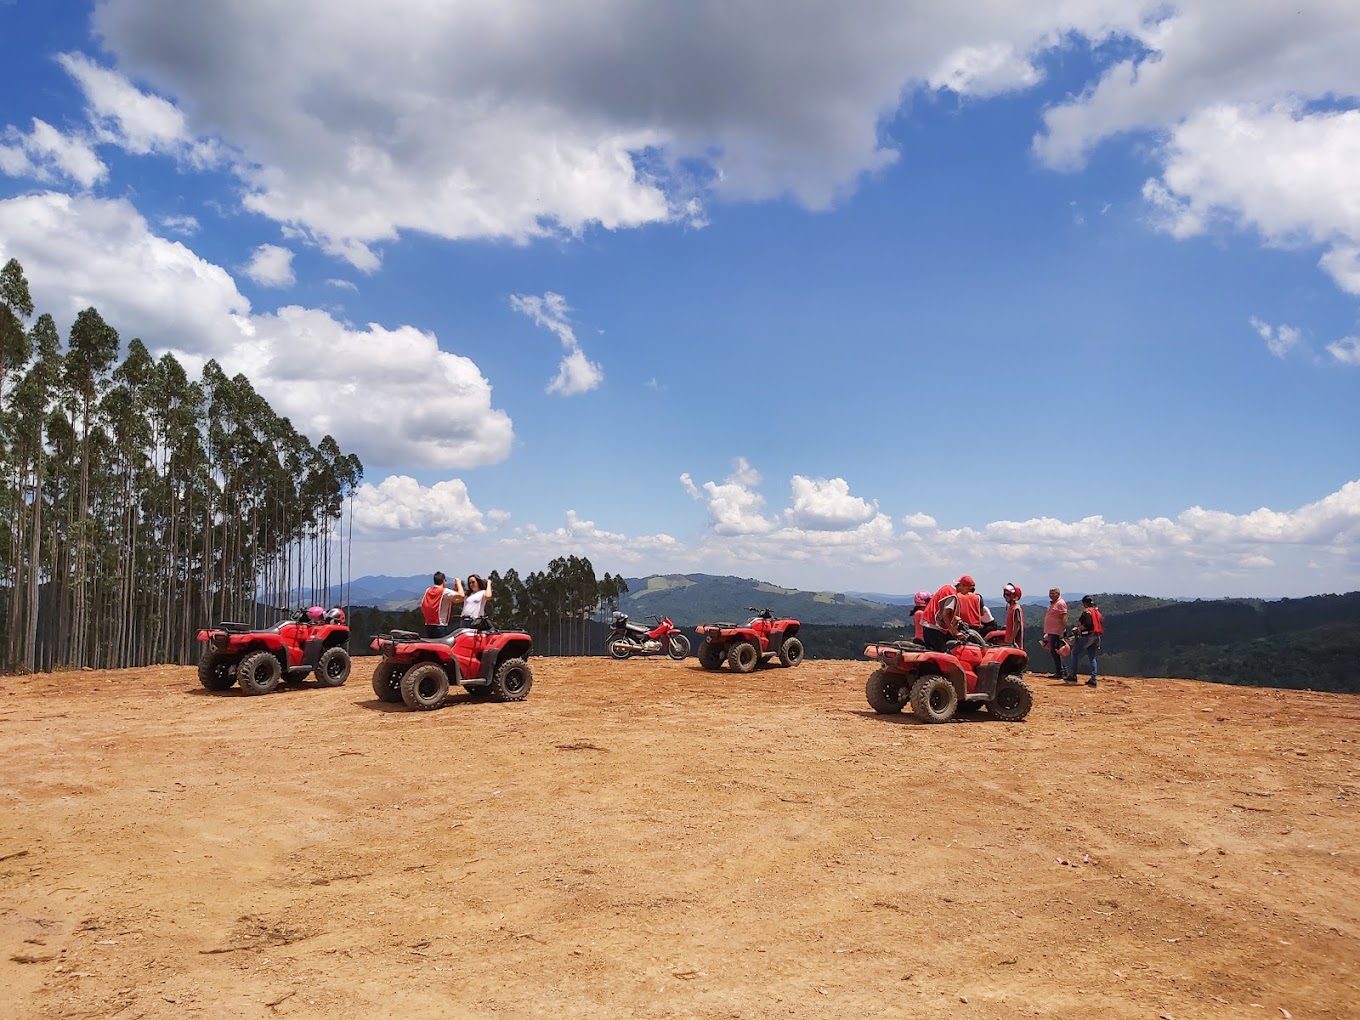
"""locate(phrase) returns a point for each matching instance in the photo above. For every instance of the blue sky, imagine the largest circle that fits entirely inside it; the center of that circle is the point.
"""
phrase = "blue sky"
(856, 298)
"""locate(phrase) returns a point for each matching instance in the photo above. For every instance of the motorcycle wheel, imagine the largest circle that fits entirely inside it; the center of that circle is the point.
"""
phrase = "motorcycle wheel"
(679, 647)
(619, 648)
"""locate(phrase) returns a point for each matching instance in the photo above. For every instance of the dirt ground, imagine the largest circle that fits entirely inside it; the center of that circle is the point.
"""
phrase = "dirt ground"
(644, 839)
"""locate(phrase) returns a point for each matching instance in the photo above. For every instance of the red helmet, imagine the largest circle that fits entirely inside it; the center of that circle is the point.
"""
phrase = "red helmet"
(315, 614)
(1011, 593)
(923, 598)
(336, 615)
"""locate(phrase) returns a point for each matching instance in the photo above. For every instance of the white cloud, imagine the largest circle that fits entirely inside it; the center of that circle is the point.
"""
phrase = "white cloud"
(509, 118)
(584, 538)
(821, 504)
(343, 285)
(575, 373)
(401, 506)
(733, 505)
(186, 225)
(45, 154)
(1280, 340)
(271, 266)
(1346, 350)
(1342, 263)
(126, 116)
(984, 70)
(389, 394)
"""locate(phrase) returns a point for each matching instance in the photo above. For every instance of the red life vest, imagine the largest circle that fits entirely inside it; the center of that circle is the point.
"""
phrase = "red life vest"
(970, 609)
(1015, 625)
(430, 604)
(933, 608)
(1097, 624)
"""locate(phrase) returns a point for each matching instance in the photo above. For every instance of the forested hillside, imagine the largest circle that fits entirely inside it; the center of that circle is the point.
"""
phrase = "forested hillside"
(137, 504)
(691, 599)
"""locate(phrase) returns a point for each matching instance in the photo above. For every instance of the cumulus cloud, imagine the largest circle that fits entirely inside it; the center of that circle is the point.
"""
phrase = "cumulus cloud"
(186, 225)
(575, 373)
(506, 118)
(1280, 340)
(124, 115)
(734, 505)
(1199, 547)
(389, 394)
(46, 154)
(584, 538)
(1346, 350)
(271, 266)
(401, 505)
(822, 504)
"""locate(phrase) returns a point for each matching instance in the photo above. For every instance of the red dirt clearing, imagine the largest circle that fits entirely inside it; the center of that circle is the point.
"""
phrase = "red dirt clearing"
(646, 839)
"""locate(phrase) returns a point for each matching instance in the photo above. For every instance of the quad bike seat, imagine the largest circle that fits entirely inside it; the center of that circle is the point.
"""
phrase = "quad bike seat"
(910, 646)
(234, 628)
(405, 635)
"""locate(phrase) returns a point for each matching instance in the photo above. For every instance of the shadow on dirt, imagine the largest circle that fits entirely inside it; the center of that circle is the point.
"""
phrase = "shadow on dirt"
(236, 692)
(907, 719)
(374, 705)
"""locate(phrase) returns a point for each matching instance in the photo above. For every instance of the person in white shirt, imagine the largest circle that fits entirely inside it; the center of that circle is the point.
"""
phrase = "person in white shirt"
(478, 595)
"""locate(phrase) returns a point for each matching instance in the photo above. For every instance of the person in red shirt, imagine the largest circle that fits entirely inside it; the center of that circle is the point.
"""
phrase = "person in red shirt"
(1090, 627)
(1015, 617)
(438, 603)
(918, 615)
(970, 602)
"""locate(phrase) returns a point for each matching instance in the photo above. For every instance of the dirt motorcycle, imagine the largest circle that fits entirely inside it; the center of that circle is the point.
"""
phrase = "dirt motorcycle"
(629, 639)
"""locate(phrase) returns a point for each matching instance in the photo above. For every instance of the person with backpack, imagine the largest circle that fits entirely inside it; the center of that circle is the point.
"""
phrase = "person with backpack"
(438, 603)
(1090, 627)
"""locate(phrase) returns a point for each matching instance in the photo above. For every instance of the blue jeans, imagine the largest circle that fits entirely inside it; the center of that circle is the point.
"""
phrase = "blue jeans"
(1090, 645)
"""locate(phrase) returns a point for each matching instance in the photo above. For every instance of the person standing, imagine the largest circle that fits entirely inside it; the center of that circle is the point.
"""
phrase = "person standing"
(478, 595)
(1090, 627)
(438, 603)
(918, 615)
(1055, 623)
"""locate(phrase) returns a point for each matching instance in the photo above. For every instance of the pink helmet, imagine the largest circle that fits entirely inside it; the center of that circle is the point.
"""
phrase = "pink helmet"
(315, 614)
(923, 599)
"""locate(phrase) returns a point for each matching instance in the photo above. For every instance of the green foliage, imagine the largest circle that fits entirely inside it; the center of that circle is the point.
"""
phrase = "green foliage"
(707, 598)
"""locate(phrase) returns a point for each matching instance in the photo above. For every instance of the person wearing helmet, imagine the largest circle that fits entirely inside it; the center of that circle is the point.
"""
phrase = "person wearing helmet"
(941, 618)
(918, 614)
(1090, 627)
(1014, 634)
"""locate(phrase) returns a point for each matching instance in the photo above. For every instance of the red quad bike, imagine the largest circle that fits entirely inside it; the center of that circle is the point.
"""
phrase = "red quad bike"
(744, 648)
(628, 639)
(260, 661)
(419, 671)
(940, 685)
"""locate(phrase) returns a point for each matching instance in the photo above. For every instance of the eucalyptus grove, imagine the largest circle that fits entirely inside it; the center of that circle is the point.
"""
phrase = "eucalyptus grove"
(138, 505)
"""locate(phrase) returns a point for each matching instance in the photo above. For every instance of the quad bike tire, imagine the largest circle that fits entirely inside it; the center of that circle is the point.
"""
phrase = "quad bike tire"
(710, 656)
(259, 673)
(885, 691)
(387, 681)
(214, 671)
(679, 647)
(1013, 699)
(743, 657)
(791, 652)
(512, 681)
(934, 699)
(332, 669)
(425, 687)
(619, 648)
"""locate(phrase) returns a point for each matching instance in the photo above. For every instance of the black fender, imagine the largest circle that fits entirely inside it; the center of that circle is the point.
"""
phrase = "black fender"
(492, 657)
(311, 651)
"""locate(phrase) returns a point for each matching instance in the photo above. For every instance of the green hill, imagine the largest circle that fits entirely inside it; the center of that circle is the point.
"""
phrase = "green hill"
(691, 599)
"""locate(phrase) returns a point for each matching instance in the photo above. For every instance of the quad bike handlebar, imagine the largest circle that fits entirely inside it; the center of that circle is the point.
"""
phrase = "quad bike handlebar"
(764, 614)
